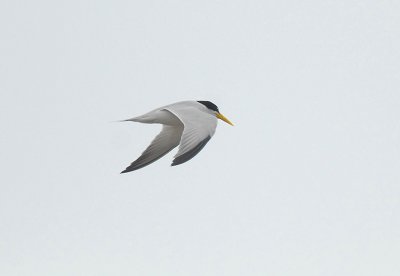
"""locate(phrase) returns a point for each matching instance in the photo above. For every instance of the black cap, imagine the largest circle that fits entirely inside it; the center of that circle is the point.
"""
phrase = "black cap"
(209, 105)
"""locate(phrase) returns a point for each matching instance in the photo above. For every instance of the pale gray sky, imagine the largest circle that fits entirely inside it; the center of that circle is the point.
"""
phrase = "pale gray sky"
(306, 183)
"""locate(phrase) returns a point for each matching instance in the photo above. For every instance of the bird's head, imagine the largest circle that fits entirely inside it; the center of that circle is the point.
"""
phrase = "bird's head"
(212, 108)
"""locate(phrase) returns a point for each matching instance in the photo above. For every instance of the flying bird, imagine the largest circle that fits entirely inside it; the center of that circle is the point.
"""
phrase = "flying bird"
(189, 124)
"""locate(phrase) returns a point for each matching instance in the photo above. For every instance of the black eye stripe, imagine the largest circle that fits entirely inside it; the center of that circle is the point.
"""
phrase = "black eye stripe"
(209, 105)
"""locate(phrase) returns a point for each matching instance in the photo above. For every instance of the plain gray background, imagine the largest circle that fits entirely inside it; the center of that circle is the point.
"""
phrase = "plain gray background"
(306, 183)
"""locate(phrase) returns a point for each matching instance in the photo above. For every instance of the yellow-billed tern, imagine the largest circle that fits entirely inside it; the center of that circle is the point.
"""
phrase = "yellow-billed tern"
(189, 124)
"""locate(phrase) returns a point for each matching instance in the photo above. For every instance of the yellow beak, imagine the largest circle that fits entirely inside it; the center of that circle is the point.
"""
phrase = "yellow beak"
(223, 118)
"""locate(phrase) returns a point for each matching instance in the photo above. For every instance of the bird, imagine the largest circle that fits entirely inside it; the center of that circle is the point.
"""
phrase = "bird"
(189, 124)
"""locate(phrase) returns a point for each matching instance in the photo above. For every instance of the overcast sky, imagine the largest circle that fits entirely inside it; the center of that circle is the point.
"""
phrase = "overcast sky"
(307, 182)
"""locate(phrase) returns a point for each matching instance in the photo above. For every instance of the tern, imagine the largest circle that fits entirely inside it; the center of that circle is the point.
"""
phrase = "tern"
(189, 124)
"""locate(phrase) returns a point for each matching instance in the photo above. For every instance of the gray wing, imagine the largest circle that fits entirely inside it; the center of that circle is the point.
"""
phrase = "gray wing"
(164, 142)
(199, 127)
(190, 153)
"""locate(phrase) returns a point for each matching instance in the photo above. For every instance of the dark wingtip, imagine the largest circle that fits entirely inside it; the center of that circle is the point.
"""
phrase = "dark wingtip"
(191, 153)
(125, 171)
